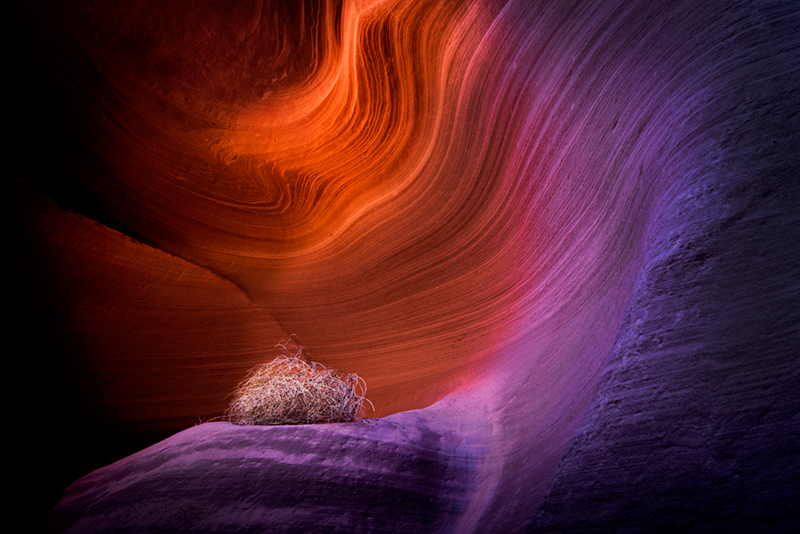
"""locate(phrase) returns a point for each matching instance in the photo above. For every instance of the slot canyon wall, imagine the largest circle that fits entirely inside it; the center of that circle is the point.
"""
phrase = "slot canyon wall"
(560, 241)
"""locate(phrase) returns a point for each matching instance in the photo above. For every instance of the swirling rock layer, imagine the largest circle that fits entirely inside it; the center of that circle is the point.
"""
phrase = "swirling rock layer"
(485, 209)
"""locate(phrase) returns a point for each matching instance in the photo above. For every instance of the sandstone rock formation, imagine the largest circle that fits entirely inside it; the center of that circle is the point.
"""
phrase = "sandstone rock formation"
(559, 240)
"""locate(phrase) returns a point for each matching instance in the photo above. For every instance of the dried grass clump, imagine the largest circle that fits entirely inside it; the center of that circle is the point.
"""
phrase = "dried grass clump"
(291, 391)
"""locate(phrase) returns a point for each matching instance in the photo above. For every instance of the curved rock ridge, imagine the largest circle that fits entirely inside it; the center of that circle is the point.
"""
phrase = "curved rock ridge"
(410, 472)
(481, 207)
(134, 319)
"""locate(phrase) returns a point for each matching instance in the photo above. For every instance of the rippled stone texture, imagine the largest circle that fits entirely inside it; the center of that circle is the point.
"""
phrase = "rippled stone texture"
(458, 201)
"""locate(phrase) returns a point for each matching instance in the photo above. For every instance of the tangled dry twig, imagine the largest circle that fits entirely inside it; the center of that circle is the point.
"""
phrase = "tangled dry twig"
(289, 390)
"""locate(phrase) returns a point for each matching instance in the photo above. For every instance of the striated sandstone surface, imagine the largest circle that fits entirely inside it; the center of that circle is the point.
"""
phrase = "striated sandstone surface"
(499, 214)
